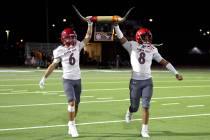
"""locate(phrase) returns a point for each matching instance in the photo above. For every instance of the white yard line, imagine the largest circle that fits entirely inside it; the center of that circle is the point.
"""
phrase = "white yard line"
(19, 91)
(187, 86)
(46, 93)
(97, 101)
(108, 98)
(32, 92)
(86, 79)
(12, 93)
(5, 89)
(87, 96)
(62, 95)
(196, 106)
(11, 71)
(99, 82)
(18, 85)
(180, 97)
(81, 96)
(102, 122)
(27, 105)
(170, 104)
(112, 89)
(184, 86)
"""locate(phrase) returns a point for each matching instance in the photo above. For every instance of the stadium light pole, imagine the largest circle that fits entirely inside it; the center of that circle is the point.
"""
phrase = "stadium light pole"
(47, 22)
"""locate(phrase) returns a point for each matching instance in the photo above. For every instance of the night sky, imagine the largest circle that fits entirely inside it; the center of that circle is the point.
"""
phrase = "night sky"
(177, 23)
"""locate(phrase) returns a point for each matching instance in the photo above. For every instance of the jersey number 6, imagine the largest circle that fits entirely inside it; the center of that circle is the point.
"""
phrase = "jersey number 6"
(72, 60)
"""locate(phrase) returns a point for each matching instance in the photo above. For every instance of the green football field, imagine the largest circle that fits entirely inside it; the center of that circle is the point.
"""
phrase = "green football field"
(180, 110)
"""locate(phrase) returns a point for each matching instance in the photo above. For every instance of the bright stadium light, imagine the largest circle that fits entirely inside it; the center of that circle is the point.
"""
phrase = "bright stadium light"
(195, 50)
(150, 20)
(7, 32)
(64, 20)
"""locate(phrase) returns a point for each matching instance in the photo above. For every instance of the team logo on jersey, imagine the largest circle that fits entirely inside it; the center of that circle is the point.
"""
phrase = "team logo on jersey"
(140, 50)
(69, 51)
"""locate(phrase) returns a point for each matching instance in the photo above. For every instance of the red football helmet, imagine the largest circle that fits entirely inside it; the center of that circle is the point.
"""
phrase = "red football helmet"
(68, 37)
(143, 35)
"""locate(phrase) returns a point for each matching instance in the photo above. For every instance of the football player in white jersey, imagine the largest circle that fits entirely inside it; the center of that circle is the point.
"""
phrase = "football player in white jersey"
(142, 52)
(68, 54)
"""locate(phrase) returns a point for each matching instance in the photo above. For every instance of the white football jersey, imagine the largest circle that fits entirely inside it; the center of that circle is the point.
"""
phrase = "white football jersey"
(69, 58)
(141, 56)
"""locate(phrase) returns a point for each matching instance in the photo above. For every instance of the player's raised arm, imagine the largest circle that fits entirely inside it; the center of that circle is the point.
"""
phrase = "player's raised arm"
(119, 33)
(89, 32)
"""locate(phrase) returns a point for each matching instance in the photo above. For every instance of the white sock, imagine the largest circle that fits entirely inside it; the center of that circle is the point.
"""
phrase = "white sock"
(144, 127)
(71, 122)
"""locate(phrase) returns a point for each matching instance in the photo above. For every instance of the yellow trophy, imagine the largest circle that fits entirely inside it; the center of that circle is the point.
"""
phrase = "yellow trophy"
(103, 29)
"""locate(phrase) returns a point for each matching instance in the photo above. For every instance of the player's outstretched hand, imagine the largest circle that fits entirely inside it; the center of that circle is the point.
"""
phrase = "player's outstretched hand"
(179, 77)
(89, 20)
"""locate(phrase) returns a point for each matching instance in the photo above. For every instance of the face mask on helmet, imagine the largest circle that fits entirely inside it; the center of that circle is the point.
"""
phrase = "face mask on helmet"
(143, 35)
(68, 37)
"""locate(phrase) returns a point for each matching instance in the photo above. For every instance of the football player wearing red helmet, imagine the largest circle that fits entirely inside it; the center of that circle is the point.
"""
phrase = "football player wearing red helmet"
(68, 54)
(68, 37)
(143, 35)
(142, 52)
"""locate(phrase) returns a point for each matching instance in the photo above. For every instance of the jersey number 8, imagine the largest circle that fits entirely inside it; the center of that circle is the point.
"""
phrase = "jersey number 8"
(142, 57)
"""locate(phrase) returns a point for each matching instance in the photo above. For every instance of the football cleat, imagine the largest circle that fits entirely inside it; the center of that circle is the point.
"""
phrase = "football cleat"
(128, 117)
(73, 130)
(145, 134)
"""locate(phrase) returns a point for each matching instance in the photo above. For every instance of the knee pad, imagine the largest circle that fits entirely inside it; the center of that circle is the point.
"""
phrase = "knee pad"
(71, 108)
(146, 102)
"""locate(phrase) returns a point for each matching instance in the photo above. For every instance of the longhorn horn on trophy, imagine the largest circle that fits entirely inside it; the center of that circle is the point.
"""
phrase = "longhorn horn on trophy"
(82, 18)
(101, 19)
(126, 15)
